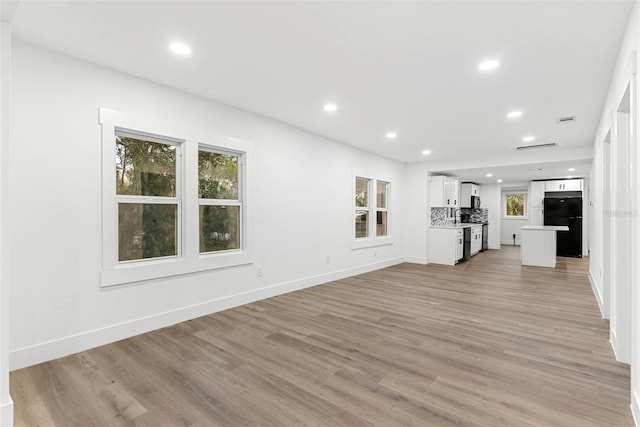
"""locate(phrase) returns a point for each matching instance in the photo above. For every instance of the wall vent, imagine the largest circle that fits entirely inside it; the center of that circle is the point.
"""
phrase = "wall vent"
(530, 147)
(567, 119)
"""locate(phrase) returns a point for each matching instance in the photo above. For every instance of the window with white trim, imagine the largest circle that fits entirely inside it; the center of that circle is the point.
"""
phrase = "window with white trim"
(382, 188)
(173, 202)
(362, 207)
(219, 199)
(514, 204)
(371, 212)
(147, 196)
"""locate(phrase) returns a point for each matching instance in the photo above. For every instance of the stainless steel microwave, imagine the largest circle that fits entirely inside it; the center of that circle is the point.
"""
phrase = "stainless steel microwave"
(475, 201)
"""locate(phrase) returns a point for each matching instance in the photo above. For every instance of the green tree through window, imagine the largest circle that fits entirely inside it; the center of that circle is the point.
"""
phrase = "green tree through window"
(144, 170)
(220, 206)
(516, 204)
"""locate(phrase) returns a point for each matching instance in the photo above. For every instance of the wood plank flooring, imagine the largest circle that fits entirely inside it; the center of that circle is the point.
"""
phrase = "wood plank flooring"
(484, 343)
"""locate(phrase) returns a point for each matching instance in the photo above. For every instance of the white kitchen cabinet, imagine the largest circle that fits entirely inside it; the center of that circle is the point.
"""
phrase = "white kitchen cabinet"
(468, 189)
(444, 192)
(564, 185)
(445, 245)
(537, 216)
(536, 194)
(476, 239)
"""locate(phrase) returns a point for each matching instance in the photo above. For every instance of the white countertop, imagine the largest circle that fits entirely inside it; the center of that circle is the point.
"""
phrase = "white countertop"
(546, 227)
(459, 225)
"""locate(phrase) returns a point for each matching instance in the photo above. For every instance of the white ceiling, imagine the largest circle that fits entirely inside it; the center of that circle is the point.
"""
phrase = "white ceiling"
(519, 174)
(409, 67)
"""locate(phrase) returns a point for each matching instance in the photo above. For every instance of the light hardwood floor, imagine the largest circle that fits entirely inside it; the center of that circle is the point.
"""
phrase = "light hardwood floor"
(484, 343)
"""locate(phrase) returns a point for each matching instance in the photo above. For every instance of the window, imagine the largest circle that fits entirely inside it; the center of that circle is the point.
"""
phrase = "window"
(146, 197)
(381, 208)
(362, 207)
(514, 204)
(371, 212)
(219, 201)
(174, 201)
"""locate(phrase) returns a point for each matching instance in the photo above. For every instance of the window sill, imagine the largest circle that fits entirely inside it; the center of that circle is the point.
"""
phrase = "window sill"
(372, 242)
(512, 218)
(166, 268)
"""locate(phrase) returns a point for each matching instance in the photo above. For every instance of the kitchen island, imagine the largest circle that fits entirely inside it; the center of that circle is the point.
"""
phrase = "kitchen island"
(538, 244)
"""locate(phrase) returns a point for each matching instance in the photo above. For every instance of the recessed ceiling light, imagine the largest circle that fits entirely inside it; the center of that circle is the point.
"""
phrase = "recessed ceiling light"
(330, 107)
(180, 48)
(528, 138)
(514, 114)
(426, 152)
(488, 65)
(391, 135)
(489, 175)
(571, 169)
(499, 180)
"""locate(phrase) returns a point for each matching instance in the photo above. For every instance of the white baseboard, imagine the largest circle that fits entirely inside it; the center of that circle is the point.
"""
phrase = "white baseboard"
(492, 246)
(42, 352)
(510, 242)
(635, 407)
(6, 414)
(416, 260)
(596, 292)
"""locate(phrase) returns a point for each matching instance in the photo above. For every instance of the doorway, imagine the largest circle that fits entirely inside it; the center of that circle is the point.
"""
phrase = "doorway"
(620, 254)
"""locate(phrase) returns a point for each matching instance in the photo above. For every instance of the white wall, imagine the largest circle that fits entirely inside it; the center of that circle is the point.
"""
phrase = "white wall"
(601, 212)
(510, 226)
(6, 404)
(490, 199)
(416, 213)
(303, 209)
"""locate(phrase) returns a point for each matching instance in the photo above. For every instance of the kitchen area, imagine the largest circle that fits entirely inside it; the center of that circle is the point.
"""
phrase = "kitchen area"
(459, 226)
(557, 227)
(551, 225)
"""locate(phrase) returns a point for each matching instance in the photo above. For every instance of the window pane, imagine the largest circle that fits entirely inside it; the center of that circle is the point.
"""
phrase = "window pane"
(362, 190)
(145, 168)
(362, 224)
(381, 194)
(381, 223)
(217, 176)
(219, 228)
(147, 230)
(516, 204)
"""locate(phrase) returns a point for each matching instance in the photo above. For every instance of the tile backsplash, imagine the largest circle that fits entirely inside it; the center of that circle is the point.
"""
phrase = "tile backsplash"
(476, 215)
(442, 216)
(439, 216)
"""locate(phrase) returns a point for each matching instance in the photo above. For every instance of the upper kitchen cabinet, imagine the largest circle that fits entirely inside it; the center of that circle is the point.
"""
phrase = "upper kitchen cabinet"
(536, 193)
(467, 190)
(444, 192)
(564, 185)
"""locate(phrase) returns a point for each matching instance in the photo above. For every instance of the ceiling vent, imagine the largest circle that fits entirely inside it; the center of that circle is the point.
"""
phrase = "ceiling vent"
(530, 147)
(567, 119)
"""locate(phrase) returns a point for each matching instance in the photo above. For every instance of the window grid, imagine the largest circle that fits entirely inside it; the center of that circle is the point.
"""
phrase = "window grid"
(146, 229)
(382, 215)
(362, 199)
(220, 218)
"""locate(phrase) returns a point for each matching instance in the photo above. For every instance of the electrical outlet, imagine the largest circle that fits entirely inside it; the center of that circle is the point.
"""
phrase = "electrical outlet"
(259, 271)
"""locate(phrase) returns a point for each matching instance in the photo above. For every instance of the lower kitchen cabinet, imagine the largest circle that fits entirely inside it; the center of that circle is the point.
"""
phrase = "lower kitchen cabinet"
(476, 239)
(445, 245)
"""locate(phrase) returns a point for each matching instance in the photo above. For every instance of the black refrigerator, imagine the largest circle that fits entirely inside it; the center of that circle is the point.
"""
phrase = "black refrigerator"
(565, 211)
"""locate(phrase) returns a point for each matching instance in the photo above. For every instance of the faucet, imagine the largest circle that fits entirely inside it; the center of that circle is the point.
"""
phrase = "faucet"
(455, 215)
